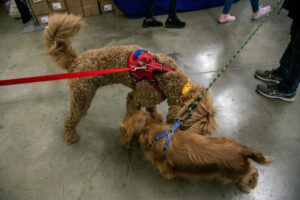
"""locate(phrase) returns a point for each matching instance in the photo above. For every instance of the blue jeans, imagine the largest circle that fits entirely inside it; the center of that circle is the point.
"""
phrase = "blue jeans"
(289, 67)
(228, 3)
(172, 8)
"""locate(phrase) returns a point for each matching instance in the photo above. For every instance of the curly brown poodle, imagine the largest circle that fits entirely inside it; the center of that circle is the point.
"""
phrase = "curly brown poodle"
(57, 38)
(191, 155)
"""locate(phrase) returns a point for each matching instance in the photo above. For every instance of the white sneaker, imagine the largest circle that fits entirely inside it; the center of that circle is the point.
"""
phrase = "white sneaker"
(261, 12)
(226, 18)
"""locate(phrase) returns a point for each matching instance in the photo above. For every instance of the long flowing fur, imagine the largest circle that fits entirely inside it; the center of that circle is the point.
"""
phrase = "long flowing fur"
(57, 38)
(191, 155)
(202, 120)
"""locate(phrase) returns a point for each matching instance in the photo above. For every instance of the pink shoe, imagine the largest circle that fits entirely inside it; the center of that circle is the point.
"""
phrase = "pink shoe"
(261, 12)
(226, 18)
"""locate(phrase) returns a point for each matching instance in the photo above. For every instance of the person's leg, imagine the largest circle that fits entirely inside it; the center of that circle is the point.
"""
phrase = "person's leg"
(290, 81)
(225, 16)
(291, 78)
(255, 5)
(275, 75)
(149, 9)
(173, 21)
(286, 89)
(149, 21)
(227, 6)
(172, 8)
(285, 61)
(24, 11)
(257, 11)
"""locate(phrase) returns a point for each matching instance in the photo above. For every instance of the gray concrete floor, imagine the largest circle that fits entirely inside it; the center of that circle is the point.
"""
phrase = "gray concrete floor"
(37, 164)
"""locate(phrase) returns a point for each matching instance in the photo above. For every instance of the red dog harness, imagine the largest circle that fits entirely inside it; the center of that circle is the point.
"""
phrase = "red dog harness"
(144, 65)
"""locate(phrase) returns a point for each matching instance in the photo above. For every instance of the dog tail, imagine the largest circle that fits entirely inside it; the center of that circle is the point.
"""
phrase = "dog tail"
(57, 38)
(257, 156)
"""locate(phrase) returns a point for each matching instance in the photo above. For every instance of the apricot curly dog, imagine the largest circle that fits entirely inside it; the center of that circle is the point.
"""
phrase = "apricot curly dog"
(57, 38)
(191, 155)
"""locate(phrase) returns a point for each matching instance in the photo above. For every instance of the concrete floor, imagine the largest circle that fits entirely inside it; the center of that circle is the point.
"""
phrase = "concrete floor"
(37, 164)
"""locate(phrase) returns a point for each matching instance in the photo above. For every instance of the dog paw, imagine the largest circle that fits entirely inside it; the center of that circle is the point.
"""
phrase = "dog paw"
(71, 138)
(167, 174)
(253, 177)
(249, 181)
(268, 159)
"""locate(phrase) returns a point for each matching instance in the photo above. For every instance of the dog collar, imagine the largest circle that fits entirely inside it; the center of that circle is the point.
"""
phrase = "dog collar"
(169, 133)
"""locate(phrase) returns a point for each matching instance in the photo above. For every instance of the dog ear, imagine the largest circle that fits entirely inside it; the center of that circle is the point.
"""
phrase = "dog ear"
(145, 140)
(126, 135)
(202, 120)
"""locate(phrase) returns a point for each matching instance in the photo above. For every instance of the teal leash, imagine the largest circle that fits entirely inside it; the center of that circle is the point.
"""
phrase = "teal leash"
(193, 105)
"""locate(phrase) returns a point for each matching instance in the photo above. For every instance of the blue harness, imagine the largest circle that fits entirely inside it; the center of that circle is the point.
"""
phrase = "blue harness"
(177, 123)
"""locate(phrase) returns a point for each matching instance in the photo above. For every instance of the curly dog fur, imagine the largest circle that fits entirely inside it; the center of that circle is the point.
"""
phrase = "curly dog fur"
(191, 155)
(57, 38)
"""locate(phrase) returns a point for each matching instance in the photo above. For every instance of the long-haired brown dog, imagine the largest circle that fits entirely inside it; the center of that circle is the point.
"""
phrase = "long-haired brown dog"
(191, 155)
(57, 38)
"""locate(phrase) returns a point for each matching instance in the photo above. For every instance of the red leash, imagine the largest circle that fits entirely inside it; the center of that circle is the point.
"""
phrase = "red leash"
(60, 76)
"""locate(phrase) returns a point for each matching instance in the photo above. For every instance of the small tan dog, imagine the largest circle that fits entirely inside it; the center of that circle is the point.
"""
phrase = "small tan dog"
(191, 155)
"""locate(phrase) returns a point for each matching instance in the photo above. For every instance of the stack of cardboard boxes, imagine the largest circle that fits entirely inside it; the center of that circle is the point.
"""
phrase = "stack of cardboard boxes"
(42, 8)
(90, 7)
(74, 7)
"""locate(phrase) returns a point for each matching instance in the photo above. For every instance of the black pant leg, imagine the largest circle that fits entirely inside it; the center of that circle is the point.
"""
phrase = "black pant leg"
(24, 11)
(172, 8)
(290, 80)
(149, 8)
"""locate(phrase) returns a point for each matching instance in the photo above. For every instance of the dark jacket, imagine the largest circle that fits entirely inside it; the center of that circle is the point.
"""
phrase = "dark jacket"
(293, 6)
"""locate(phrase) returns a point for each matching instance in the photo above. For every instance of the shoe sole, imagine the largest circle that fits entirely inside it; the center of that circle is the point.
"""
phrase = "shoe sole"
(266, 79)
(170, 26)
(272, 97)
(255, 19)
(145, 26)
(225, 21)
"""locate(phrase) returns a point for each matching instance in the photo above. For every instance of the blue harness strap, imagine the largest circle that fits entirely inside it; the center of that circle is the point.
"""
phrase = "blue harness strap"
(177, 123)
(137, 53)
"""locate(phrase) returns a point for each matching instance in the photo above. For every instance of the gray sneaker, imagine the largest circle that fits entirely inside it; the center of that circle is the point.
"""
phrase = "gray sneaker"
(272, 91)
(268, 75)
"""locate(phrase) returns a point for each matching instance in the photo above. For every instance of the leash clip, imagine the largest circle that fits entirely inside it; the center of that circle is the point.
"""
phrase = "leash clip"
(134, 68)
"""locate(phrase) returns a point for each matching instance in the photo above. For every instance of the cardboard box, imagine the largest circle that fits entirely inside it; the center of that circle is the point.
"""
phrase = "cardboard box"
(91, 10)
(107, 6)
(73, 3)
(76, 10)
(42, 19)
(89, 2)
(36, 1)
(59, 11)
(57, 5)
(39, 7)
